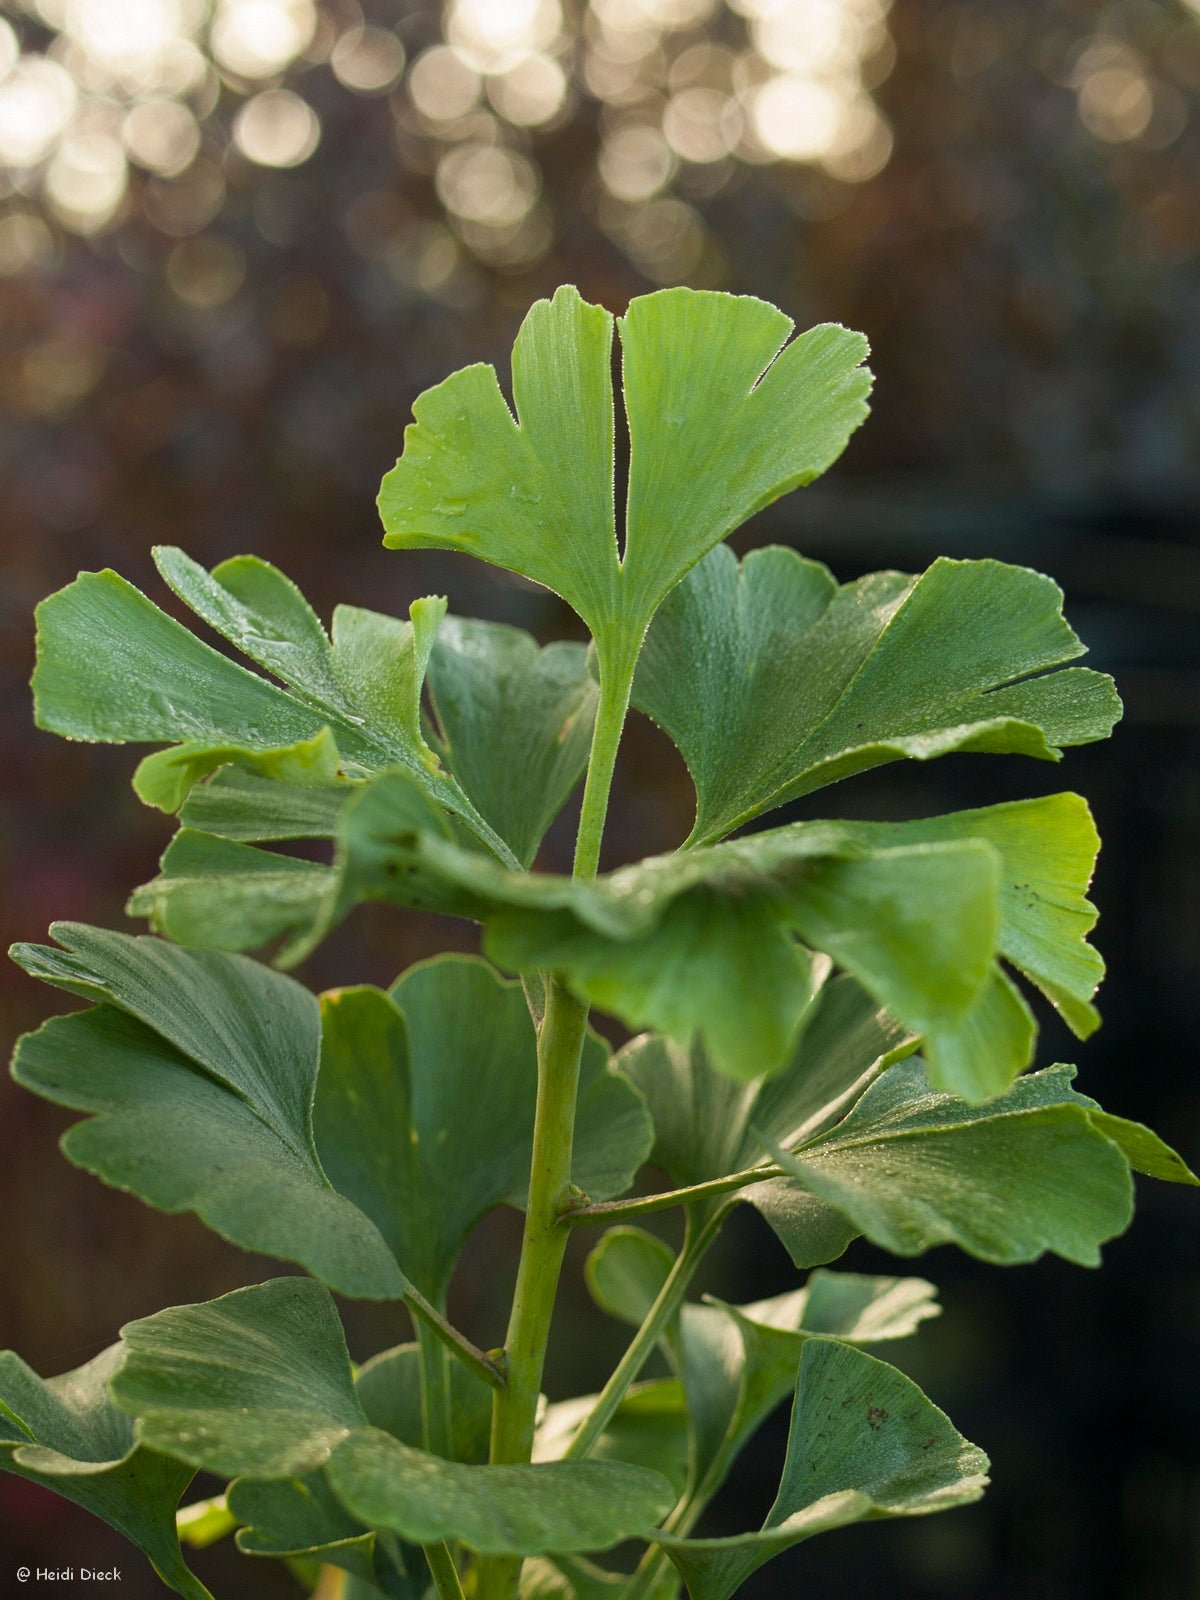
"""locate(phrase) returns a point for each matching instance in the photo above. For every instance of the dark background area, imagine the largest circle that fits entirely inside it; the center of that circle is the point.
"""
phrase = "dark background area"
(1021, 248)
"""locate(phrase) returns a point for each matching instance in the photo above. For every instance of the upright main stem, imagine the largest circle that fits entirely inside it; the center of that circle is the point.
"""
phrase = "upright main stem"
(560, 1045)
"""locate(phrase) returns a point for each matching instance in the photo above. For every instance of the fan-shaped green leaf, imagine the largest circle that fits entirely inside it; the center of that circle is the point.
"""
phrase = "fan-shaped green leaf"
(111, 666)
(773, 682)
(865, 1442)
(389, 1391)
(425, 1105)
(65, 1434)
(256, 1383)
(199, 1071)
(509, 1510)
(1026, 1173)
(722, 420)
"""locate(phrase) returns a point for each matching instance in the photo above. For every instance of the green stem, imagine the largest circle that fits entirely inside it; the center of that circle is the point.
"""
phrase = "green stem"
(543, 1242)
(444, 1571)
(695, 1242)
(616, 685)
(428, 1317)
(665, 1199)
(435, 1393)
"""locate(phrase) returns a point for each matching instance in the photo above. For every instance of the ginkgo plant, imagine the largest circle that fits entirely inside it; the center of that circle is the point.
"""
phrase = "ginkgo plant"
(832, 1018)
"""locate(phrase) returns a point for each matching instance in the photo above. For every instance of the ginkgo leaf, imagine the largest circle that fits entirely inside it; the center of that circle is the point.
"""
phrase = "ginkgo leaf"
(388, 1387)
(199, 1071)
(506, 1510)
(258, 1384)
(425, 1105)
(111, 666)
(494, 692)
(773, 682)
(865, 1442)
(698, 944)
(722, 420)
(64, 1434)
(1026, 1173)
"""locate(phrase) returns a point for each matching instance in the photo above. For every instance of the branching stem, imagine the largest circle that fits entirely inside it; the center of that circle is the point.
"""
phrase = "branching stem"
(696, 1241)
(543, 1243)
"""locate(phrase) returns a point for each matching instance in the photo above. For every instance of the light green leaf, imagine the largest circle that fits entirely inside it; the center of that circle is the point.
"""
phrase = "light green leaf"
(199, 1071)
(773, 682)
(703, 944)
(508, 1510)
(649, 1428)
(166, 778)
(1142, 1148)
(1026, 1173)
(68, 1438)
(255, 1384)
(724, 417)
(217, 893)
(706, 385)
(864, 1443)
(533, 494)
(425, 1105)
(494, 692)
(111, 666)
(239, 804)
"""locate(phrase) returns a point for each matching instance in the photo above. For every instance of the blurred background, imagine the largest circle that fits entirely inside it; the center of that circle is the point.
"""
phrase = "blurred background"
(238, 238)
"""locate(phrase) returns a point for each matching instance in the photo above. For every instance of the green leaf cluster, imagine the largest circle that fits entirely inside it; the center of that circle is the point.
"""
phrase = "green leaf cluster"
(832, 1017)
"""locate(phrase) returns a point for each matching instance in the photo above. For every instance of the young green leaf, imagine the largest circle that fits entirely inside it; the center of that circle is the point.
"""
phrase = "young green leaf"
(707, 382)
(199, 1071)
(865, 1442)
(111, 666)
(300, 1517)
(64, 1434)
(774, 682)
(425, 1105)
(1006, 1181)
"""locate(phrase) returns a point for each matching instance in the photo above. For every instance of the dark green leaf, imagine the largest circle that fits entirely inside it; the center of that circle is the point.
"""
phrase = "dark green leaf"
(256, 1383)
(288, 1518)
(705, 387)
(510, 1510)
(864, 1443)
(65, 1434)
(389, 1391)
(495, 693)
(773, 682)
(200, 1071)
(425, 1106)
(1026, 1173)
